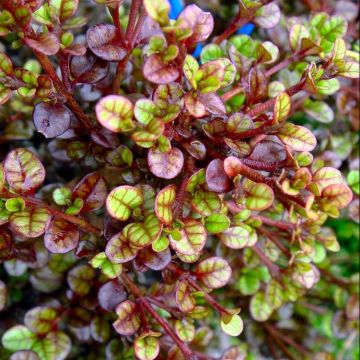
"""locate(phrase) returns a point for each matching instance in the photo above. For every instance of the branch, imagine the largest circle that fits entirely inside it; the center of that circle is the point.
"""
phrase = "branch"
(32, 202)
(273, 268)
(145, 303)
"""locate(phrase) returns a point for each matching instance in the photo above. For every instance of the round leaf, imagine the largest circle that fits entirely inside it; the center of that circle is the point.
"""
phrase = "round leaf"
(122, 200)
(129, 320)
(217, 223)
(235, 237)
(31, 222)
(233, 326)
(259, 308)
(216, 178)
(119, 250)
(61, 237)
(146, 348)
(297, 137)
(163, 203)
(165, 165)
(260, 197)
(213, 272)
(115, 113)
(282, 107)
(184, 298)
(23, 170)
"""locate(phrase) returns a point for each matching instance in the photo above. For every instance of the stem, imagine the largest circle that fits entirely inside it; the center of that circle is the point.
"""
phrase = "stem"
(145, 303)
(283, 225)
(116, 21)
(262, 107)
(57, 213)
(231, 93)
(64, 68)
(338, 281)
(59, 86)
(208, 297)
(233, 27)
(264, 166)
(174, 312)
(274, 331)
(285, 63)
(250, 133)
(134, 9)
(273, 268)
(276, 241)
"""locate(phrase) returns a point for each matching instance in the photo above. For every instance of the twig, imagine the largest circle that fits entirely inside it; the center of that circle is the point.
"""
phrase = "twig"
(57, 213)
(273, 268)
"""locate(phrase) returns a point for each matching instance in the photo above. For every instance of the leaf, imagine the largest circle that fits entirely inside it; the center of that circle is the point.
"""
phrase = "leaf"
(18, 337)
(192, 238)
(258, 84)
(217, 223)
(260, 310)
(159, 72)
(101, 40)
(206, 203)
(233, 326)
(158, 10)
(165, 165)
(156, 261)
(338, 195)
(268, 16)
(3, 295)
(333, 28)
(249, 282)
(64, 8)
(260, 197)
(319, 110)
(190, 68)
(327, 86)
(146, 347)
(122, 200)
(282, 107)
(5, 94)
(115, 113)
(143, 234)
(80, 279)
(238, 123)
(324, 177)
(100, 329)
(101, 261)
(46, 43)
(297, 33)
(274, 294)
(146, 138)
(297, 137)
(184, 298)
(24, 355)
(211, 52)
(216, 178)
(213, 272)
(184, 330)
(129, 320)
(353, 179)
(163, 204)
(119, 250)
(92, 190)
(6, 67)
(40, 319)
(23, 170)
(350, 69)
(235, 237)
(61, 237)
(30, 222)
(201, 23)
(145, 111)
(111, 294)
(51, 120)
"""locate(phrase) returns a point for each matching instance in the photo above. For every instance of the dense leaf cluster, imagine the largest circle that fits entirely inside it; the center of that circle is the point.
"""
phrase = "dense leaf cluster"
(159, 204)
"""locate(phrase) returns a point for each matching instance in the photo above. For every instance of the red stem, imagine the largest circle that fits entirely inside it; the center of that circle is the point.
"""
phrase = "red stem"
(273, 268)
(57, 213)
(134, 9)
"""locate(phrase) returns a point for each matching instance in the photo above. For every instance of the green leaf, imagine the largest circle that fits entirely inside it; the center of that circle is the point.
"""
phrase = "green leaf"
(100, 329)
(190, 69)
(80, 279)
(249, 282)
(119, 250)
(23, 170)
(217, 223)
(297, 33)
(259, 197)
(282, 107)
(160, 244)
(115, 113)
(206, 203)
(31, 222)
(184, 297)
(211, 52)
(163, 204)
(108, 268)
(213, 272)
(122, 200)
(232, 324)
(184, 330)
(62, 196)
(333, 28)
(146, 347)
(327, 87)
(192, 238)
(129, 321)
(6, 67)
(350, 69)
(324, 177)
(64, 8)
(353, 179)
(143, 234)
(338, 195)
(15, 204)
(40, 319)
(145, 111)
(18, 337)
(235, 237)
(158, 10)
(259, 308)
(297, 137)
(274, 294)
(319, 110)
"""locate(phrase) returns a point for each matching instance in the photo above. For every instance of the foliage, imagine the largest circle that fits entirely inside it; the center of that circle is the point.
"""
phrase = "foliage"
(158, 203)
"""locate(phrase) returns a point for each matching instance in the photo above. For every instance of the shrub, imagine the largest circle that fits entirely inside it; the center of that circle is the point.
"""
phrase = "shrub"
(149, 194)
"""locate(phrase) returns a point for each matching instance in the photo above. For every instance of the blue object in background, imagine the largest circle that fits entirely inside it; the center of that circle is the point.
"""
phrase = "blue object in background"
(178, 5)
